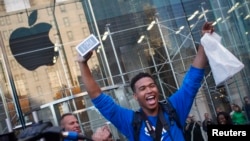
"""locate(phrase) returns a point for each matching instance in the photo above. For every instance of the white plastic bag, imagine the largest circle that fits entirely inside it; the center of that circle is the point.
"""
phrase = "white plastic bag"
(223, 63)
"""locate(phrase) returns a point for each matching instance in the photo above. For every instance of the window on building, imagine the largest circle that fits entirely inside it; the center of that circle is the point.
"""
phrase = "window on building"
(66, 21)
(52, 22)
(70, 35)
(13, 64)
(10, 31)
(78, 5)
(39, 90)
(7, 49)
(8, 20)
(85, 31)
(5, 35)
(2, 21)
(62, 8)
(20, 85)
(23, 76)
(53, 79)
(35, 75)
(77, 66)
(19, 17)
(49, 11)
(82, 18)
(73, 49)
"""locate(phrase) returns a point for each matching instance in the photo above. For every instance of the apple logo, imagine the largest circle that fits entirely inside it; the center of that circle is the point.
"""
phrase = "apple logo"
(31, 46)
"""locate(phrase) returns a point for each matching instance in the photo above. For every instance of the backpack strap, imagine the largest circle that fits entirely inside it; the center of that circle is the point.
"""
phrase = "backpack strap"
(173, 116)
(137, 121)
(163, 123)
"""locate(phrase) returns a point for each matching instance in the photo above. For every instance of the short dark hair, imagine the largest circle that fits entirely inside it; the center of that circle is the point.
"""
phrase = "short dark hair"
(138, 77)
(227, 117)
(245, 97)
(64, 115)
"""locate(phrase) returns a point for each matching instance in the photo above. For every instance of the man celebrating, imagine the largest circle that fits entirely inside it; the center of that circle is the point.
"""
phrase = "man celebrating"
(147, 94)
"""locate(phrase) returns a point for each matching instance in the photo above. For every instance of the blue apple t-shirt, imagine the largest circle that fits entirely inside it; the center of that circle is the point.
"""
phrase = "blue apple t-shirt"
(181, 100)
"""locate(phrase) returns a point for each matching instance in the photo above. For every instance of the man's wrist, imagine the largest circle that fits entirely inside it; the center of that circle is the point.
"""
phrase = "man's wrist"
(81, 59)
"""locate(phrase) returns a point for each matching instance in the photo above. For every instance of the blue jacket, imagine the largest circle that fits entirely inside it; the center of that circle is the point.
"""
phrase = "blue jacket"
(182, 101)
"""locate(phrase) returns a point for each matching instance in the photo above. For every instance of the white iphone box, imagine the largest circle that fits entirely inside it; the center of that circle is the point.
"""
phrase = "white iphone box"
(87, 45)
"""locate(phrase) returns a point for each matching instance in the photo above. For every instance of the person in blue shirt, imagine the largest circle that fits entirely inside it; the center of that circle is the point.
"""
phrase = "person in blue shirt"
(147, 94)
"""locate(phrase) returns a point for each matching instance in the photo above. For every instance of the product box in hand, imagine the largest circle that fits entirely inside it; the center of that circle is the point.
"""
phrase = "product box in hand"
(87, 45)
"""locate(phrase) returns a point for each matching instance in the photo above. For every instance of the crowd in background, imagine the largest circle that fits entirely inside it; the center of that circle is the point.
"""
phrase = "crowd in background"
(197, 130)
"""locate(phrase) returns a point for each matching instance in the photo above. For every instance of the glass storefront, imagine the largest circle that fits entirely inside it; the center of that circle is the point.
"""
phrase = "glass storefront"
(39, 72)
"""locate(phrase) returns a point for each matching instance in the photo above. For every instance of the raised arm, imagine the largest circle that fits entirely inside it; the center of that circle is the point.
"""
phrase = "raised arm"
(90, 84)
(93, 88)
(200, 60)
